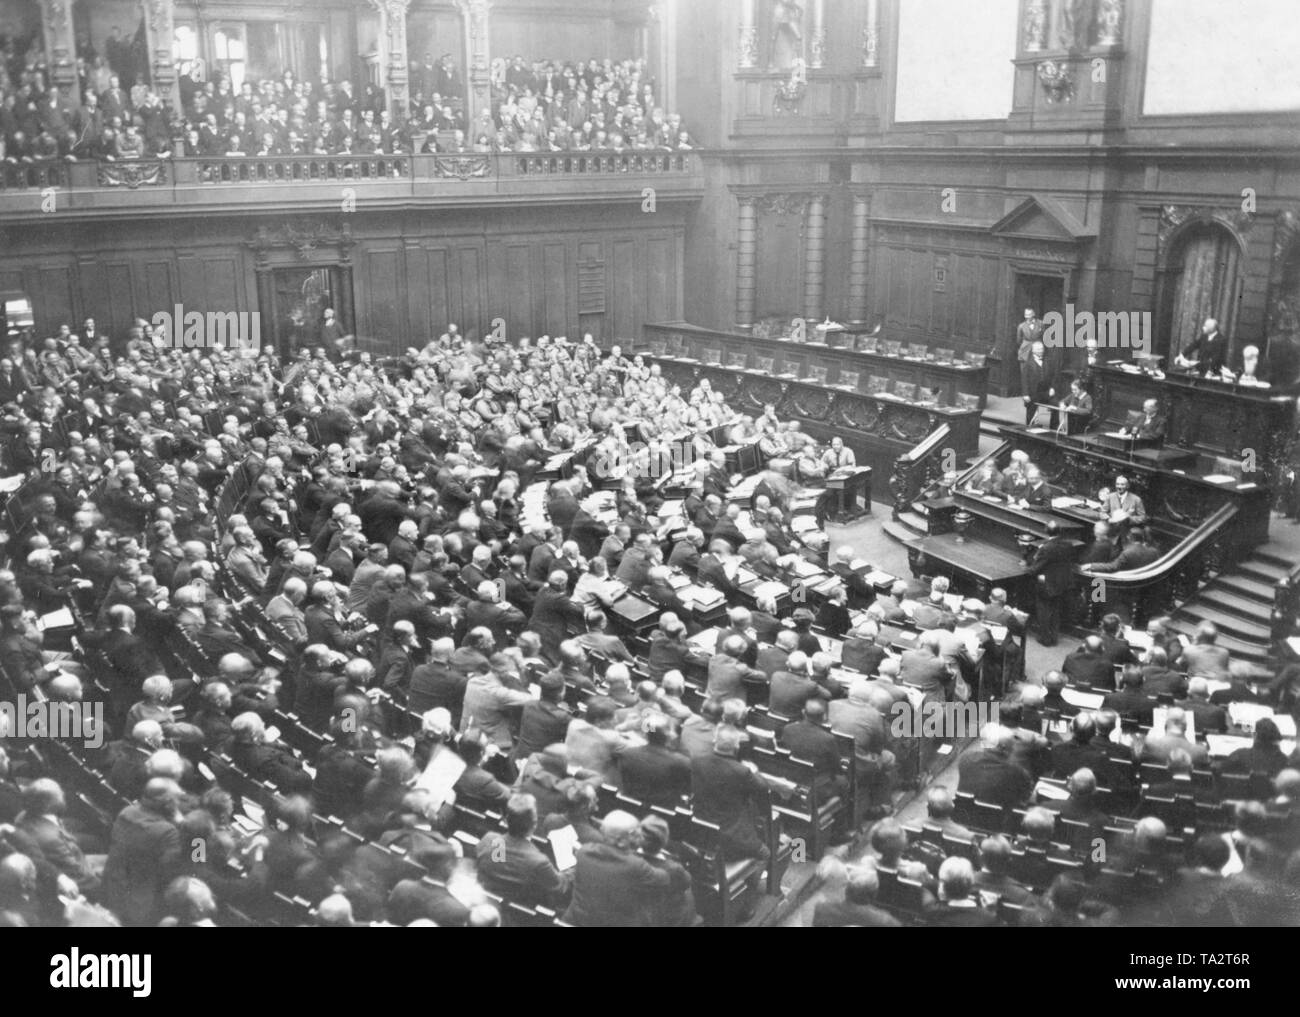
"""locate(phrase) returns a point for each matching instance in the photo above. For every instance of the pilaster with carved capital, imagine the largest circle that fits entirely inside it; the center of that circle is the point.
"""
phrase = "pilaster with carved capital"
(478, 60)
(160, 32)
(61, 47)
(392, 24)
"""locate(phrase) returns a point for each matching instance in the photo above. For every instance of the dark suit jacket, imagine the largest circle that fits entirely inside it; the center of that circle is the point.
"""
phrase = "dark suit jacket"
(614, 888)
(1037, 382)
(1070, 756)
(518, 871)
(788, 693)
(1130, 704)
(1082, 667)
(1054, 561)
(540, 724)
(991, 777)
(841, 914)
(655, 774)
(727, 793)
(143, 849)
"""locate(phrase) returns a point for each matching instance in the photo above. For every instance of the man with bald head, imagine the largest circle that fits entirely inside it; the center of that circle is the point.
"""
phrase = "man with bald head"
(143, 847)
(939, 807)
(989, 773)
(958, 905)
(1082, 806)
(553, 612)
(1207, 717)
(728, 672)
(1088, 664)
(858, 908)
(613, 887)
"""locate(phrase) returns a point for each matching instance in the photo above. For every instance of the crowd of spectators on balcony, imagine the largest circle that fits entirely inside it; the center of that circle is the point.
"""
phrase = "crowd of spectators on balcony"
(546, 106)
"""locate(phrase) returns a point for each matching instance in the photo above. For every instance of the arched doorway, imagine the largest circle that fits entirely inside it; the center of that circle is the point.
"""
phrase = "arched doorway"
(1201, 280)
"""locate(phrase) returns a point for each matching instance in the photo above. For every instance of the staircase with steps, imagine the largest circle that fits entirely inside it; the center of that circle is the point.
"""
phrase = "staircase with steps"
(1239, 602)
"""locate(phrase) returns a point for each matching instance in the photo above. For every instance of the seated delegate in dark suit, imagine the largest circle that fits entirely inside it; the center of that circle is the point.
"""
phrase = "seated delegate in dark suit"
(1152, 425)
(613, 886)
(510, 864)
(1079, 752)
(1089, 665)
(730, 794)
(989, 774)
(654, 773)
(1131, 699)
(857, 909)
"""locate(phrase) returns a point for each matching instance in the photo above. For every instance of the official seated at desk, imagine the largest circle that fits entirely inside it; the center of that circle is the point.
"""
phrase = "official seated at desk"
(987, 481)
(1015, 479)
(1038, 493)
(1151, 427)
(940, 487)
(810, 468)
(1250, 370)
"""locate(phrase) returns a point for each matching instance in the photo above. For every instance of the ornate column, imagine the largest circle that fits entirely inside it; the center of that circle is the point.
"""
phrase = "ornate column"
(817, 36)
(161, 34)
(746, 262)
(478, 80)
(814, 274)
(747, 46)
(61, 48)
(393, 63)
(858, 238)
(871, 35)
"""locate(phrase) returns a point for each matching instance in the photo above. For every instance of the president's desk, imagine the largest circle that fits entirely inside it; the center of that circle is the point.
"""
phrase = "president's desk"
(864, 398)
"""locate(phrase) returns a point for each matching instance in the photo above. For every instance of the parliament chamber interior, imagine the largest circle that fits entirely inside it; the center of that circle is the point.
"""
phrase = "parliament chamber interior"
(671, 463)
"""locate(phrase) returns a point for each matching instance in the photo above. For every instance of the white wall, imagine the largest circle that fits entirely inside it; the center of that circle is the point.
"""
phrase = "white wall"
(954, 59)
(1223, 56)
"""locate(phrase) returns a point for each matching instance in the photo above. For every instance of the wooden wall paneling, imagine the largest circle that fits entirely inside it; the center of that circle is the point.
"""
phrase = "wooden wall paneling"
(627, 288)
(558, 298)
(661, 278)
(155, 288)
(383, 322)
(467, 289)
(51, 288)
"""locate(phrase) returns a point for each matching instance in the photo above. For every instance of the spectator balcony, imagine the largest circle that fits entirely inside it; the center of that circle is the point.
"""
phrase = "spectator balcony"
(144, 186)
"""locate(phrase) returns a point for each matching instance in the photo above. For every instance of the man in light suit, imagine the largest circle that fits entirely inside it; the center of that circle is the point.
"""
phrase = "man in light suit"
(1122, 508)
(1028, 332)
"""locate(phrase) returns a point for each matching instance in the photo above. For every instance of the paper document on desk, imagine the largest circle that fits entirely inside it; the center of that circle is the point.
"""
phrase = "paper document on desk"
(439, 777)
(1248, 715)
(1221, 745)
(1219, 478)
(564, 845)
(803, 524)
(771, 588)
(60, 619)
(1051, 792)
(1083, 700)
(878, 578)
(705, 639)
(1065, 501)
